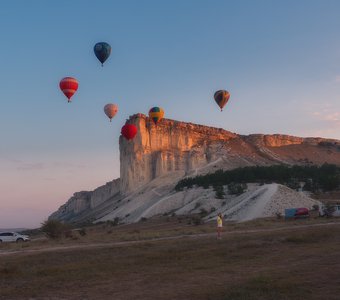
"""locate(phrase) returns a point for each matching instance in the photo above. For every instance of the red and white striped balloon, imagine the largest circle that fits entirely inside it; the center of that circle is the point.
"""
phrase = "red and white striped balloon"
(69, 86)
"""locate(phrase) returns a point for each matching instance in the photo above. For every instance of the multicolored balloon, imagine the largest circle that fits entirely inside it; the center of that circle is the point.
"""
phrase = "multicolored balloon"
(69, 86)
(102, 50)
(221, 97)
(110, 110)
(156, 114)
(129, 131)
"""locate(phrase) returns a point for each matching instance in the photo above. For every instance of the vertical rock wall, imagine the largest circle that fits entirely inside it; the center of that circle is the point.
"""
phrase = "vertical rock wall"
(170, 146)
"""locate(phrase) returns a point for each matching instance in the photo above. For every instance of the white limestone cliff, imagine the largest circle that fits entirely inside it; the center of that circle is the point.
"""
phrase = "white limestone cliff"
(159, 156)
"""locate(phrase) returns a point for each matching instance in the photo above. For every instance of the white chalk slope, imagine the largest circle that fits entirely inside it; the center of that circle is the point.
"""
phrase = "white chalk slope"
(257, 202)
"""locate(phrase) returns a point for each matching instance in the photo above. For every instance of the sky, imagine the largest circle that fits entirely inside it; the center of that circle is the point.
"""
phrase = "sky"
(280, 61)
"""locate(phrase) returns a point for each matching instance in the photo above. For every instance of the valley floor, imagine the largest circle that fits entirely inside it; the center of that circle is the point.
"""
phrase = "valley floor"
(171, 259)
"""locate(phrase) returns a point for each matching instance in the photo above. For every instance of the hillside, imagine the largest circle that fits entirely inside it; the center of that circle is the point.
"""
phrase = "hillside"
(159, 156)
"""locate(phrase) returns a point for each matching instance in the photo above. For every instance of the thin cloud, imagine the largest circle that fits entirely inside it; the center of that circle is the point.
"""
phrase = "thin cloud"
(30, 166)
(69, 165)
(325, 133)
(333, 117)
(21, 165)
(329, 117)
(49, 179)
(326, 113)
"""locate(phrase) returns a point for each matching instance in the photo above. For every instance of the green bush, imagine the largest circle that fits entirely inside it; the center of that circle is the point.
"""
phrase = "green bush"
(219, 192)
(236, 188)
(113, 222)
(55, 229)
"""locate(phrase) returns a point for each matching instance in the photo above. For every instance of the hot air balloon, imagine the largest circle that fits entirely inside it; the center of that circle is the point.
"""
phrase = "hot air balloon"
(156, 114)
(102, 50)
(110, 110)
(221, 98)
(129, 131)
(69, 86)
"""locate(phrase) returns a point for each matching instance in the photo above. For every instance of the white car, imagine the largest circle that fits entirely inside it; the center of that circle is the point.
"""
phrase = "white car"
(332, 210)
(13, 237)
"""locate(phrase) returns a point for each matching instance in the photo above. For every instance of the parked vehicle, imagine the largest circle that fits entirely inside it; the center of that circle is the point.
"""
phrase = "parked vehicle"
(13, 237)
(296, 213)
(329, 210)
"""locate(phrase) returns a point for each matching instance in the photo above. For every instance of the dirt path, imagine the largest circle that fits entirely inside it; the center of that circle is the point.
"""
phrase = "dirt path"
(128, 243)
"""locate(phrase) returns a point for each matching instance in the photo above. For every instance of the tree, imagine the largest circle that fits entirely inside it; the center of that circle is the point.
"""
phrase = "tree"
(55, 229)
(219, 192)
(237, 188)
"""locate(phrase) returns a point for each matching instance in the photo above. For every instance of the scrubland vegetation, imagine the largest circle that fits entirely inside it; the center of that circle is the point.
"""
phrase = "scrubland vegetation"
(262, 259)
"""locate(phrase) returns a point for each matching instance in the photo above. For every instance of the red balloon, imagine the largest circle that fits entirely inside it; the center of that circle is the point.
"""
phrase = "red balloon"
(129, 131)
(69, 86)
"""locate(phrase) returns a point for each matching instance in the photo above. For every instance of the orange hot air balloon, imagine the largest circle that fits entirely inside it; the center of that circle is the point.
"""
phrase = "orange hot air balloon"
(129, 131)
(110, 110)
(221, 97)
(69, 86)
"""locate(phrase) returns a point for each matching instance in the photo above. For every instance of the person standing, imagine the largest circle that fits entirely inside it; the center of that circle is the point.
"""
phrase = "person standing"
(219, 226)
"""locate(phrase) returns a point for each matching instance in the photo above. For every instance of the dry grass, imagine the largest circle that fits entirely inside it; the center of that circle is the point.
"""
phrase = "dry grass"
(285, 264)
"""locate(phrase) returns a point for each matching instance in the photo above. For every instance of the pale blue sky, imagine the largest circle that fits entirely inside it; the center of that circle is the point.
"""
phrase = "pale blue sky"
(280, 60)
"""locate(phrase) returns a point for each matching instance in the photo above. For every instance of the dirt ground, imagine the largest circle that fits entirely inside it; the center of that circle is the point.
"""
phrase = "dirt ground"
(266, 259)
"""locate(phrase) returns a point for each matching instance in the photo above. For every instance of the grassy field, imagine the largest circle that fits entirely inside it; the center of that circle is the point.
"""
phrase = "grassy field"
(281, 260)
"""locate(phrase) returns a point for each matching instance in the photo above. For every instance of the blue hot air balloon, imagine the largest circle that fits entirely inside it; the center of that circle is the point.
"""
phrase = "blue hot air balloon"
(102, 50)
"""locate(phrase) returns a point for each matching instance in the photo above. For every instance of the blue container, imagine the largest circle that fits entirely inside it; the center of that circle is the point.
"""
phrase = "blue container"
(290, 213)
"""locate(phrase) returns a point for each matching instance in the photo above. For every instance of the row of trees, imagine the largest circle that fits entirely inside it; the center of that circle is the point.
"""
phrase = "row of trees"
(314, 178)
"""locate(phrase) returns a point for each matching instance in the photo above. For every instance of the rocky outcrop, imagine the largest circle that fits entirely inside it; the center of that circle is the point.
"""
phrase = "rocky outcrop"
(174, 149)
(177, 146)
(169, 146)
(86, 201)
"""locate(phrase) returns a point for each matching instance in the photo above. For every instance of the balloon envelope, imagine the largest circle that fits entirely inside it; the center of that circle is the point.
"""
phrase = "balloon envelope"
(129, 131)
(69, 86)
(102, 50)
(221, 97)
(110, 110)
(156, 114)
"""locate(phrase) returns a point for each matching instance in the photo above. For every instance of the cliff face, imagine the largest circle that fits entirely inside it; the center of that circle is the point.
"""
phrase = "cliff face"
(86, 201)
(173, 149)
(170, 146)
(177, 146)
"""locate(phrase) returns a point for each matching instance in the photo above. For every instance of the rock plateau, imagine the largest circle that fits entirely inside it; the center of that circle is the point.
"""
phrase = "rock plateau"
(159, 156)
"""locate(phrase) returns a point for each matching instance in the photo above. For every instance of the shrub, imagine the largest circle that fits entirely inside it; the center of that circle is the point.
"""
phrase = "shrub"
(278, 215)
(196, 220)
(55, 229)
(315, 207)
(113, 222)
(293, 184)
(197, 205)
(82, 232)
(205, 185)
(203, 212)
(236, 188)
(219, 192)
